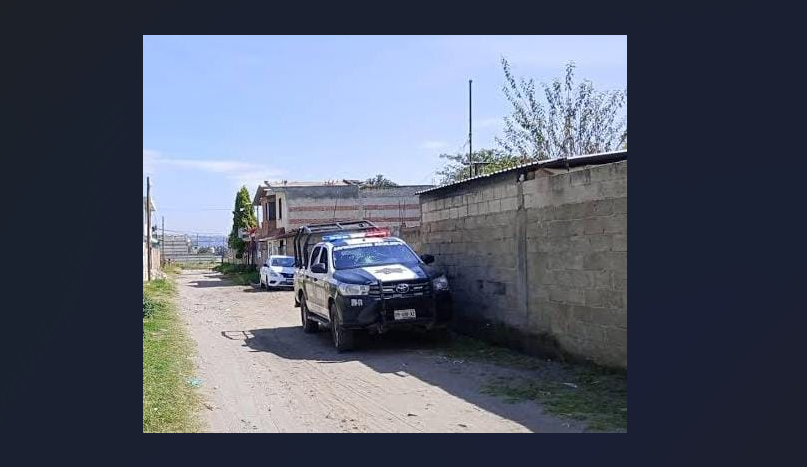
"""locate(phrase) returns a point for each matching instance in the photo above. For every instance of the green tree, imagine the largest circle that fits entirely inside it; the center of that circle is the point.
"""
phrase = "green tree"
(379, 181)
(571, 119)
(490, 160)
(243, 218)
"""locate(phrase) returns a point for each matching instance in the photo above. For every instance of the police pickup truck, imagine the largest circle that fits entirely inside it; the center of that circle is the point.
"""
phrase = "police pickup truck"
(353, 276)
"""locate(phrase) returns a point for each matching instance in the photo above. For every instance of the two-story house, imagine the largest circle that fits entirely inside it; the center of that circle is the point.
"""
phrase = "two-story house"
(285, 206)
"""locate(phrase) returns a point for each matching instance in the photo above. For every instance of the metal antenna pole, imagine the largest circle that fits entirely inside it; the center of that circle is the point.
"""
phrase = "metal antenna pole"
(470, 134)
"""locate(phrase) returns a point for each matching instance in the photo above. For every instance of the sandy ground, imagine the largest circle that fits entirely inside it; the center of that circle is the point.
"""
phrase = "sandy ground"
(261, 373)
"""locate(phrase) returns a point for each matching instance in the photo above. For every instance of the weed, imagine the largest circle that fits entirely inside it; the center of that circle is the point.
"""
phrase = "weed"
(169, 404)
(595, 395)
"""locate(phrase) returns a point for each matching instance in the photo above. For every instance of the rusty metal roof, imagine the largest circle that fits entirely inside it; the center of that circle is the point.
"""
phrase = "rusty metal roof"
(574, 161)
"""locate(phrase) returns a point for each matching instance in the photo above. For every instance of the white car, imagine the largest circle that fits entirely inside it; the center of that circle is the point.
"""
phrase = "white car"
(278, 271)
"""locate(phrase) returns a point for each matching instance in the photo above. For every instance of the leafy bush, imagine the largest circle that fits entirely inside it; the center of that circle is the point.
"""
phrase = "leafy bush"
(229, 268)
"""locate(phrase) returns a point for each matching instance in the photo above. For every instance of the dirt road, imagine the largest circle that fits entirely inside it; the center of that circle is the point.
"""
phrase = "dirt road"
(261, 373)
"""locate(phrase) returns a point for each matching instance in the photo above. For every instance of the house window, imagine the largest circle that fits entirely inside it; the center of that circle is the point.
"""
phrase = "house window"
(280, 208)
(270, 209)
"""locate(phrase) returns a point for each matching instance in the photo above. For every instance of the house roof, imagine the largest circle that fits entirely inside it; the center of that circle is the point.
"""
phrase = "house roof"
(259, 193)
(558, 163)
(291, 184)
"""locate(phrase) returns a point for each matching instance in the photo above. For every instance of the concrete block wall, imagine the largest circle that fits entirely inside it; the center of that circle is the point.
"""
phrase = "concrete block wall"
(155, 262)
(540, 264)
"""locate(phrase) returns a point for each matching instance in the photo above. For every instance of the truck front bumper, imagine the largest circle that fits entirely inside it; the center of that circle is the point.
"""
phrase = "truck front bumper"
(375, 313)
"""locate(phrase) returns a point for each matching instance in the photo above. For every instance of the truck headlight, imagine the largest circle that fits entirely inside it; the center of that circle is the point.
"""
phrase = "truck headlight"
(440, 283)
(274, 274)
(354, 289)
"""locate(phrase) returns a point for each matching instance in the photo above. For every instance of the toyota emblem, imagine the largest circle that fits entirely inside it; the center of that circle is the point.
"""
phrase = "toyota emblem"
(402, 288)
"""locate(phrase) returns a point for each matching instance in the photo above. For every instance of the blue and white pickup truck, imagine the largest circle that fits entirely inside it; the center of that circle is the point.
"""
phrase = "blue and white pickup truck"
(353, 276)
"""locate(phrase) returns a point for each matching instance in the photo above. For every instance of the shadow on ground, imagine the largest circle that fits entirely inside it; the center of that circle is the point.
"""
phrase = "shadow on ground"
(413, 355)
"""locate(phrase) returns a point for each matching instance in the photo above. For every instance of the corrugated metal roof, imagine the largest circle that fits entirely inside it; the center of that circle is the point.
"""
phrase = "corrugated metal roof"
(587, 159)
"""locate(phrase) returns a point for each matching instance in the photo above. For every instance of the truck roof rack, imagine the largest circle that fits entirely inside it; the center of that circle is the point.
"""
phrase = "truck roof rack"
(304, 233)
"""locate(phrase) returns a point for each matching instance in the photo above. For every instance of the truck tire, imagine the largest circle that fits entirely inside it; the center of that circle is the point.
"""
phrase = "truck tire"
(342, 338)
(309, 325)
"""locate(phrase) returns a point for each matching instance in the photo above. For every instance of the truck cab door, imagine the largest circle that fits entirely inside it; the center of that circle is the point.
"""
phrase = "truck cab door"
(313, 285)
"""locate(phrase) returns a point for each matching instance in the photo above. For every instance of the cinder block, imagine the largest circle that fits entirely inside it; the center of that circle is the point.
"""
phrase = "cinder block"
(566, 260)
(593, 225)
(615, 224)
(580, 177)
(570, 211)
(494, 205)
(620, 242)
(619, 281)
(579, 243)
(601, 207)
(529, 201)
(537, 231)
(613, 188)
(581, 331)
(610, 260)
(602, 279)
(511, 190)
(509, 204)
(558, 293)
(530, 187)
(620, 205)
(598, 316)
(600, 242)
(605, 298)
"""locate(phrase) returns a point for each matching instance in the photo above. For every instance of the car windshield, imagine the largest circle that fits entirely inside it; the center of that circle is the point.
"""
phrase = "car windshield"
(284, 262)
(357, 256)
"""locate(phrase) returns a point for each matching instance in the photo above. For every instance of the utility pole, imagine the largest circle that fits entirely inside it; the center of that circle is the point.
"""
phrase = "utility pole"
(148, 223)
(470, 134)
(162, 243)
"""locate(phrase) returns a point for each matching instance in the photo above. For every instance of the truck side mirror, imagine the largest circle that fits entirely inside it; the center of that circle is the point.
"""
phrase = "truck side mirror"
(428, 259)
(319, 268)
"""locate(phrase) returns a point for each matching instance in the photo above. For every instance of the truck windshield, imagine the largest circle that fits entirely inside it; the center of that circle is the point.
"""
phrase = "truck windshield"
(374, 254)
(284, 262)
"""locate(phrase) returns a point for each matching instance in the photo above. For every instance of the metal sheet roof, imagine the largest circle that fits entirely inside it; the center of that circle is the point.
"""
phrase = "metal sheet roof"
(574, 161)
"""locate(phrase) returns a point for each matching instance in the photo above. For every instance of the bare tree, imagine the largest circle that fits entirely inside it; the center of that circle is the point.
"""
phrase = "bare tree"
(572, 119)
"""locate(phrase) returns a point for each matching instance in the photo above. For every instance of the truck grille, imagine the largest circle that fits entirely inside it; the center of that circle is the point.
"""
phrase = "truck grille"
(414, 289)
(287, 275)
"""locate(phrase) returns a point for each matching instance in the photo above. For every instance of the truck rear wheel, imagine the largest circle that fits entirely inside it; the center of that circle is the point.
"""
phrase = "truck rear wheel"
(309, 325)
(342, 338)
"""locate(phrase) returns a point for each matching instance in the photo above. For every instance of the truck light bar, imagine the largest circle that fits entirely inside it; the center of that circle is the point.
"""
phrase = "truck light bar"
(378, 232)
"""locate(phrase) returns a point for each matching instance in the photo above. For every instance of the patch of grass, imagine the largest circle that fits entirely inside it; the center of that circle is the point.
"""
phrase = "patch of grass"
(597, 396)
(241, 274)
(172, 268)
(463, 347)
(169, 402)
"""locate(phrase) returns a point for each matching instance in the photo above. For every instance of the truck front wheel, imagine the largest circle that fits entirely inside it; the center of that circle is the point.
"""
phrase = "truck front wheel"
(342, 338)
(309, 325)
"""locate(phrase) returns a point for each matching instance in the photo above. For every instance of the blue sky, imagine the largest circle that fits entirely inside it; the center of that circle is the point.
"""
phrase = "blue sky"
(223, 111)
